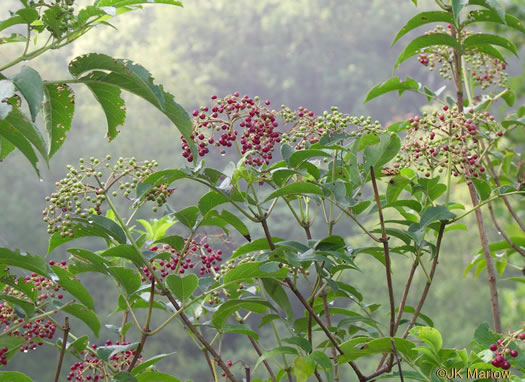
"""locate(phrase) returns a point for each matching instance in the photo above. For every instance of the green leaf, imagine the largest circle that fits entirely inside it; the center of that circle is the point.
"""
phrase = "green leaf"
(457, 6)
(422, 19)
(13, 20)
(382, 153)
(424, 42)
(79, 345)
(280, 350)
(428, 335)
(124, 376)
(278, 294)
(27, 307)
(296, 189)
(126, 277)
(12, 343)
(79, 231)
(86, 315)
(29, 83)
(390, 85)
(483, 188)
(491, 4)
(303, 368)
(224, 311)
(298, 157)
(124, 251)
(482, 15)
(241, 329)
(74, 287)
(23, 260)
(509, 97)
(104, 353)
(382, 345)
(483, 39)
(14, 376)
(236, 223)
(188, 216)
(211, 200)
(109, 226)
(250, 270)
(9, 130)
(182, 287)
(59, 107)
(438, 213)
(136, 79)
(153, 360)
(256, 245)
(395, 185)
(109, 97)
(155, 376)
(300, 342)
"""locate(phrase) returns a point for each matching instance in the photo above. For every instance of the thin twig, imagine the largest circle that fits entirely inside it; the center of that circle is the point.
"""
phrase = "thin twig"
(265, 362)
(429, 281)
(494, 302)
(62, 349)
(398, 360)
(247, 373)
(146, 329)
(329, 323)
(384, 240)
(502, 232)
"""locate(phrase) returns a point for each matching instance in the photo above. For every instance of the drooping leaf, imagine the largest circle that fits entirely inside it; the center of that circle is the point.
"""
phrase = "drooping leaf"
(304, 368)
(275, 352)
(428, 335)
(124, 376)
(482, 15)
(112, 103)
(104, 353)
(188, 216)
(153, 360)
(433, 214)
(126, 277)
(391, 85)
(362, 346)
(224, 311)
(123, 3)
(109, 226)
(278, 294)
(424, 42)
(29, 83)
(254, 269)
(483, 188)
(236, 223)
(211, 200)
(256, 245)
(74, 287)
(134, 78)
(24, 261)
(124, 251)
(493, 5)
(422, 19)
(86, 315)
(296, 189)
(79, 231)
(241, 329)
(475, 40)
(59, 107)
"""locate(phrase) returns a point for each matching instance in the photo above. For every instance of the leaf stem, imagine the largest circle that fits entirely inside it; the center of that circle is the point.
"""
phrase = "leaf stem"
(63, 349)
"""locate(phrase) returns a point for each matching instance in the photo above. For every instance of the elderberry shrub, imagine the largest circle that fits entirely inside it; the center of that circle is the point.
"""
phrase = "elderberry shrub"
(83, 191)
(485, 70)
(435, 137)
(253, 129)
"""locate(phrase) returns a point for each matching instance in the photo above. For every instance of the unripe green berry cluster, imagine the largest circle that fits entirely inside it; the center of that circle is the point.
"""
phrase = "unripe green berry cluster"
(83, 191)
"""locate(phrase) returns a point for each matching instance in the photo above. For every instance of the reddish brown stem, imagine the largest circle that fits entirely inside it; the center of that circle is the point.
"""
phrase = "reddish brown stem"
(62, 349)
(429, 282)
(384, 240)
(265, 363)
(496, 317)
(145, 330)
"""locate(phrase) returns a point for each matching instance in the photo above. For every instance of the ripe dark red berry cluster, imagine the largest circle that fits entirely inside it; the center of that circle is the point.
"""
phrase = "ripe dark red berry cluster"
(245, 122)
(198, 255)
(435, 138)
(92, 182)
(3, 355)
(502, 350)
(93, 369)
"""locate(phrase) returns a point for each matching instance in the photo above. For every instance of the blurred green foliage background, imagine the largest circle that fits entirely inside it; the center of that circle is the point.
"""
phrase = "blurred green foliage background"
(312, 53)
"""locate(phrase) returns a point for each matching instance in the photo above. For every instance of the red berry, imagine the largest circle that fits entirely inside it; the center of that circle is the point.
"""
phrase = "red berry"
(522, 336)
(514, 353)
(493, 347)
